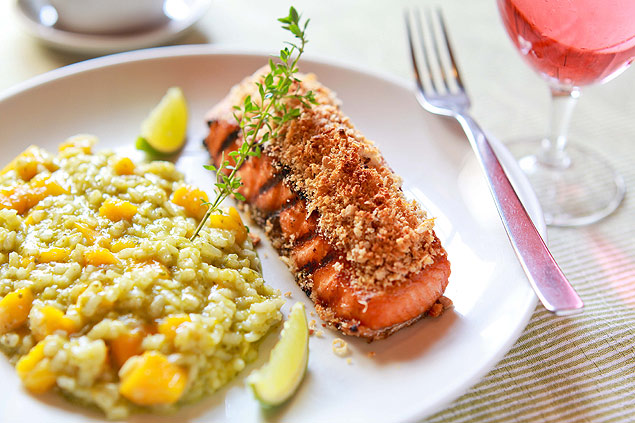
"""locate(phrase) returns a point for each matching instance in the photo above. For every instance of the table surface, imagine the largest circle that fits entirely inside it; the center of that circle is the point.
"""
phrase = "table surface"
(561, 369)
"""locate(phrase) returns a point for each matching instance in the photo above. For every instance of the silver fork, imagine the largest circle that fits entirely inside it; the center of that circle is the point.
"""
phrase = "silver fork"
(440, 90)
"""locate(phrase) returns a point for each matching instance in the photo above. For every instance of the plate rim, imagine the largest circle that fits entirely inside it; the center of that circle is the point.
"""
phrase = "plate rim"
(212, 50)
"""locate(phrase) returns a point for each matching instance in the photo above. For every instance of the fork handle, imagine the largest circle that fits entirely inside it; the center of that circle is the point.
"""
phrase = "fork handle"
(549, 283)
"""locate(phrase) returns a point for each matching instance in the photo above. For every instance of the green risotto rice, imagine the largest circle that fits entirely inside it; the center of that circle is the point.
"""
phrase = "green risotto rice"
(103, 296)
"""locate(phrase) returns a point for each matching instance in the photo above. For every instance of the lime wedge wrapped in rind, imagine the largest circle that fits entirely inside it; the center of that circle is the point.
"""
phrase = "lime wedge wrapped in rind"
(165, 128)
(276, 381)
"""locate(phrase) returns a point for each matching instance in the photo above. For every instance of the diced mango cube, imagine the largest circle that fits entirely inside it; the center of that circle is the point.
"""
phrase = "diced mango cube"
(82, 142)
(26, 163)
(23, 197)
(29, 220)
(127, 345)
(40, 380)
(29, 152)
(169, 325)
(233, 213)
(26, 261)
(55, 254)
(47, 186)
(122, 244)
(89, 233)
(49, 320)
(34, 370)
(27, 170)
(242, 229)
(19, 198)
(191, 199)
(29, 360)
(117, 210)
(153, 380)
(124, 166)
(98, 255)
(221, 221)
(233, 222)
(14, 309)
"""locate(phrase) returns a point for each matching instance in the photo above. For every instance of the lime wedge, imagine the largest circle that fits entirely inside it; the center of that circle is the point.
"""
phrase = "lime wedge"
(165, 127)
(277, 380)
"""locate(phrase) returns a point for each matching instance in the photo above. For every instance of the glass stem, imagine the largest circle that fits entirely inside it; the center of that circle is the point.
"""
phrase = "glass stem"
(562, 103)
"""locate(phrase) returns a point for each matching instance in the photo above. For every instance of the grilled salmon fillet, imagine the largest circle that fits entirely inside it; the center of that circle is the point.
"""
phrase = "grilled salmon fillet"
(368, 259)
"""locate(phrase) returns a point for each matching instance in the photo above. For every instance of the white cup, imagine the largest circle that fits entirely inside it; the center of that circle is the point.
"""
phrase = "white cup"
(108, 16)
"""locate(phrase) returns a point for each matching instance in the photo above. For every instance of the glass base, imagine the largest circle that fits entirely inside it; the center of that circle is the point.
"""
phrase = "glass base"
(576, 189)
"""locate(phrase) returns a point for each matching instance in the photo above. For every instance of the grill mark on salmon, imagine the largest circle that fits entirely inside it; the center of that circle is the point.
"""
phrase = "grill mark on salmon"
(306, 237)
(272, 219)
(312, 251)
(309, 269)
(274, 198)
(321, 269)
(221, 135)
(275, 179)
(296, 225)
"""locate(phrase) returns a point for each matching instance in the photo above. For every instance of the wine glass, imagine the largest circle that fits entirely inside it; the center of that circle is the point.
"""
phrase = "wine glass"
(571, 43)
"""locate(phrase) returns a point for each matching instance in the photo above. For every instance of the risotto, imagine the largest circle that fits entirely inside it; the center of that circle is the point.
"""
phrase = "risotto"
(104, 297)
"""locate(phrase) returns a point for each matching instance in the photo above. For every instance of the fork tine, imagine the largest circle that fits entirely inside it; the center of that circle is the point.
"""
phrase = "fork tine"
(427, 59)
(413, 55)
(423, 77)
(439, 85)
(435, 55)
(430, 54)
(444, 33)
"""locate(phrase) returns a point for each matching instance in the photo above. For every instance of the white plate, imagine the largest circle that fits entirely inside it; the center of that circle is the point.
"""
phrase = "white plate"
(414, 372)
(185, 13)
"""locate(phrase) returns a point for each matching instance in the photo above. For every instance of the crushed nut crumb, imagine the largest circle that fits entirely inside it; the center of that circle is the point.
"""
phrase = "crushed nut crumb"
(287, 294)
(286, 260)
(445, 302)
(255, 239)
(436, 310)
(340, 347)
(319, 334)
(312, 327)
(439, 307)
(371, 354)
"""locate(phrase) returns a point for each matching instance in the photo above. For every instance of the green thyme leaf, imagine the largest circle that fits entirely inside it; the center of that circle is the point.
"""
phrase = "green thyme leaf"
(255, 117)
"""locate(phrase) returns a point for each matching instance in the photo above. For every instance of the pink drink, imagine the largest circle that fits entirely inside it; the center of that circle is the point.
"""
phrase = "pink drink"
(573, 42)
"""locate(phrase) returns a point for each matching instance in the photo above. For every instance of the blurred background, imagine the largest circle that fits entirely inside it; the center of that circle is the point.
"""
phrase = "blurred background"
(371, 35)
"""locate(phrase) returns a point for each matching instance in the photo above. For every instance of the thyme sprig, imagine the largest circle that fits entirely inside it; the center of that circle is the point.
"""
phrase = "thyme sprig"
(261, 117)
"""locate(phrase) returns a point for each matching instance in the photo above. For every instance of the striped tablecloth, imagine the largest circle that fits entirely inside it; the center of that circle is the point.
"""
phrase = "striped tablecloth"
(561, 369)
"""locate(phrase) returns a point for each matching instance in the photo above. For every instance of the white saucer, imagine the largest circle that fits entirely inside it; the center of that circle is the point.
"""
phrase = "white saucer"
(189, 13)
